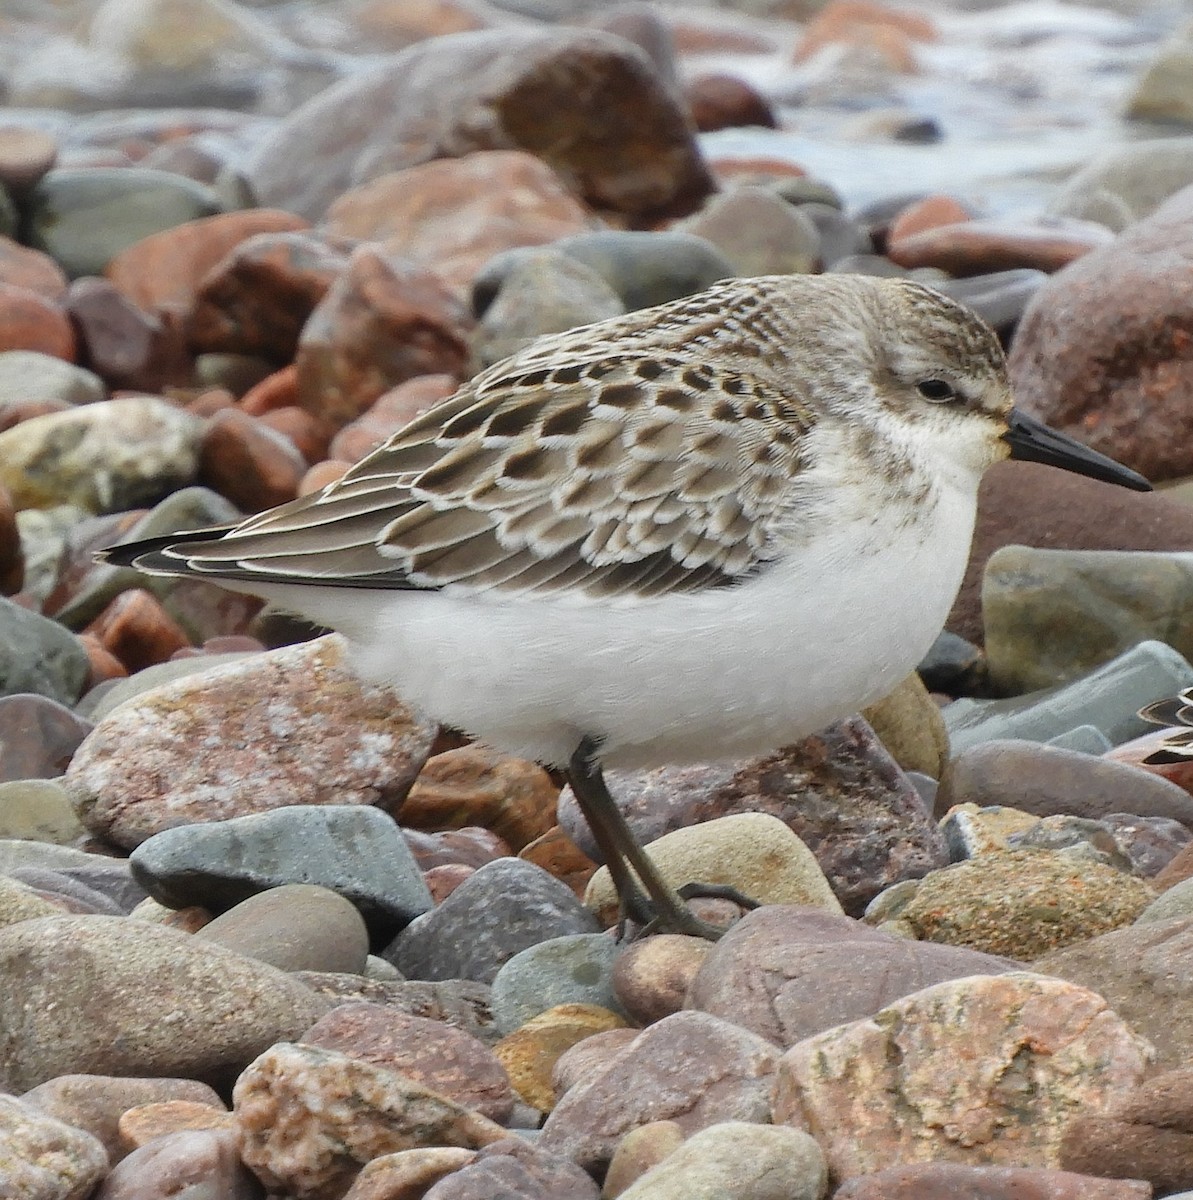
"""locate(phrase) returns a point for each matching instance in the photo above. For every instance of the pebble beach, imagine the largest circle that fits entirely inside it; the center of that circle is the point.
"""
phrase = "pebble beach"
(268, 932)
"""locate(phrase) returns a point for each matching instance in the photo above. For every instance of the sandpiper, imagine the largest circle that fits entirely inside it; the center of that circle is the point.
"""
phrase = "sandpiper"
(697, 531)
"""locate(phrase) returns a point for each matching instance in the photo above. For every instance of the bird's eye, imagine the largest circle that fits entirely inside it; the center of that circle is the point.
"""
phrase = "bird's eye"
(939, 391)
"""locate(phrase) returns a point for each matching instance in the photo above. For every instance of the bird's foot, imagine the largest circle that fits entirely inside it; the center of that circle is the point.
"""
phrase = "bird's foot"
(717, 891)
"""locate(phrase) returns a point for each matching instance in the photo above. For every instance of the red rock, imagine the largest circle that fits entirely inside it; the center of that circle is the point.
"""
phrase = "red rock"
(390, 412)
(441, 881)
(279, 390)
(12, 558)
(556, 853)
(652, 975)
(211, 401)
(593, 108)
(731, 169)
(383, 322)
(25, 156)
(28, 321)
(1177, 871)
(957, 1181)
(299, 427)
(864, 23)
(1108, 339)
(454, 214)
(165, 269)
(252, 465)
(321, 474)
(928, 213)
(724, 101)
(137, 630)
(104, 664)
(256, 299)
(142, 1124)
(979, 247)
(127, 347)
(1028, 504)
(470, 847)
(24, 267)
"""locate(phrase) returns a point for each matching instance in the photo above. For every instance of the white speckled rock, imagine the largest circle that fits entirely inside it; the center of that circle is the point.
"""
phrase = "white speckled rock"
(42, 1158)
(293, 726)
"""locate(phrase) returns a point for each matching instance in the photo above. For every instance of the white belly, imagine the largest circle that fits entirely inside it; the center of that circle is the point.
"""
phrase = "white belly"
(723, 673)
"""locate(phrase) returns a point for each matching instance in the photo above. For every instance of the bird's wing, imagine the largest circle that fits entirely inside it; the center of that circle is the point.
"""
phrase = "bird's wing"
(608, 470)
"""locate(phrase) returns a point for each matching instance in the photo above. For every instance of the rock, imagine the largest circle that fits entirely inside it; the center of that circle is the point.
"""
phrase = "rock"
(954, 1181)
(985, 1070)
(506, 906)
(475, 785)
(96, 1103)
(104, 457)
(408, 1172)
(258, 296)
(651, 976)
(691, 1068)
(30, 377)
(460, 1003)
(751, 851)
(1118, 305)
(63, 893)
(434, 1055)
(584, 1058)
(19, 903)
(1176, 901)
(544, 291)
(999, 297)
(1124, 183)
(838, 791)
(192, 1162)
(1146, 973)
(737, 1161)
(296, 927)
(1051, 615)
(25, 156)
(84, 216)
(1147, 1134)
(1108, 698)
(640, 1151)
(137, 631)
(37, 656)
(908, 723)
(1148, 843)
(470, 846)
(454, 214)
(382, 321)
(38, 809)
(89, 994)
(512, 1167)
(531, 1054)
(787, 973)
(565, 970)
(45, 1159)
(31, 270)
(719, 101)
(248, 462)
(389, 413)
(1023, 903)
(558, 855)
(126, 347)
(311, 1118)
(976, 247)
(495, 90)
(353, 849)
(758, 232)
(299, 718)
(1047, 781)
(1162, 92)
(165, 270)
(29, 323)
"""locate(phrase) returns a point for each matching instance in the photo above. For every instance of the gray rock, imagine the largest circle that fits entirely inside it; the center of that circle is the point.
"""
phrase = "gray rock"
(564, 970)
(39, 655)
(508, 905)
(38, 809)
(1177, 901)
(38, 736)
(758, 232)
(78, 897)
(1127, 182)
(1052, 615)
(296, 927)
(542, 292)
(84, 217)
(1046, 781)
(838, 235)
(1165, 90)
(44, 533)
(738, 1161)
(1109, 698)
(114, 996)
(999, 297)
(42, 1158)
(1149, 843)
(103, 457)
(353, 849)
(28, 377)
(16, 853)
(1083, 739)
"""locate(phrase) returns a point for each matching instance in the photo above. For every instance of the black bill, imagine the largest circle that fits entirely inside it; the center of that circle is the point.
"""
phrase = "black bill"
(1032, 441)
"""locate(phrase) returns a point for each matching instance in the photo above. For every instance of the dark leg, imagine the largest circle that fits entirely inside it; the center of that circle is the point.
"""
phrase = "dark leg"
(662, 906)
